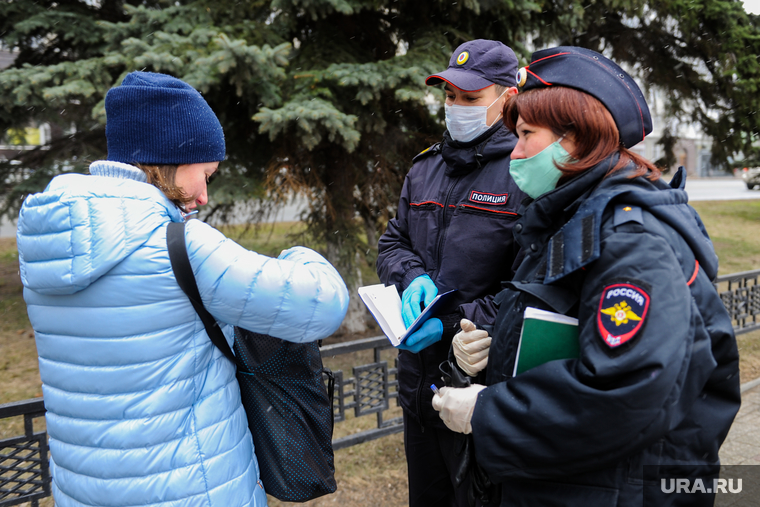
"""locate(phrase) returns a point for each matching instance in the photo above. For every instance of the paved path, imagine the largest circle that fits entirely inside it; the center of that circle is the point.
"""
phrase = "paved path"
(719, 189)
(742, 446)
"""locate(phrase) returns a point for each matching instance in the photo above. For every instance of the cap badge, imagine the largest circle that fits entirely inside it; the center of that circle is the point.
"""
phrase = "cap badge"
(463, 57)
(521, 77)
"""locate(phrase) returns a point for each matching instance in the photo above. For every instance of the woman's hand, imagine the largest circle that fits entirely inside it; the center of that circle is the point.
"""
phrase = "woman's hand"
(471, 346)
(420, 292)
(456, 406)
(429, 333)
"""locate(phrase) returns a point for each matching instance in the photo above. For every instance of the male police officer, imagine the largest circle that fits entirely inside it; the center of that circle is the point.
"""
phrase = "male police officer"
(453, 230)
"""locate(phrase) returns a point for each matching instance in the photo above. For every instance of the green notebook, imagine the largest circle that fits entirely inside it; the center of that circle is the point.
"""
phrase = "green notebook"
(545, 336)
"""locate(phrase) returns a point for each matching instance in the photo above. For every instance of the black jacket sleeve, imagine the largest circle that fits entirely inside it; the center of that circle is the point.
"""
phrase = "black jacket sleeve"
(397, 262)
(481, 311)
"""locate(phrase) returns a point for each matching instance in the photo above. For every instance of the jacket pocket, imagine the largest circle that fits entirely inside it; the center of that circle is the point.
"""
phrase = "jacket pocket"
(424, 221)
(409, 381)
(470, 209)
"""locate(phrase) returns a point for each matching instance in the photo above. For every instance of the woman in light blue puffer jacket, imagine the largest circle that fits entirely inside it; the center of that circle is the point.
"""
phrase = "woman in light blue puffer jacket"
(142, 409)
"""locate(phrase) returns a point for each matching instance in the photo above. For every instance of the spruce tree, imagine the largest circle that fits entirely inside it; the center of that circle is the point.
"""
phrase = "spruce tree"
(326, 98)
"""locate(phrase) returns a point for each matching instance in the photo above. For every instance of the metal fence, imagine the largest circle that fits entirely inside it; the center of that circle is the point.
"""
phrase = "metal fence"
(367, 392)
(740, 294)
(24, 474)
(369, 389)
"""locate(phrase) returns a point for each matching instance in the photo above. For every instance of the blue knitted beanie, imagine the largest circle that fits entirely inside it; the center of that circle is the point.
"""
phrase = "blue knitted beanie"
(158, 119)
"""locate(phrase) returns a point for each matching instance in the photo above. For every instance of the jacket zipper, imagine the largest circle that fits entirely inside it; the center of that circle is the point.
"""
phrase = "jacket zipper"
(444, 228)
(441, 240)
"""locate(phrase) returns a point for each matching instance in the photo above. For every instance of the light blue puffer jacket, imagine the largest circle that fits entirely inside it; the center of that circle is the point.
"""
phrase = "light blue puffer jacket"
(142, 409)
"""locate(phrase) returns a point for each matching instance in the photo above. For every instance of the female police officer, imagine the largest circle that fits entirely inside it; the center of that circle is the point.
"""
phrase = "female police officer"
(609, 243)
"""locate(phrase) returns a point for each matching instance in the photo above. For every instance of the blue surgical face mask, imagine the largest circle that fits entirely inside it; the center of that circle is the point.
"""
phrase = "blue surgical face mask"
(539, 174)
(465, 123)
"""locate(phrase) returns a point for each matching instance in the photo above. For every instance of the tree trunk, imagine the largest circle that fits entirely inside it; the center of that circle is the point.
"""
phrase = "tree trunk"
(355, 321)
(356, 316)
(341, 245)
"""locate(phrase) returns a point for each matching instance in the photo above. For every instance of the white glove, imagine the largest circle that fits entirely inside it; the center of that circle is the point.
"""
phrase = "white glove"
(471, 346)
(456, 406)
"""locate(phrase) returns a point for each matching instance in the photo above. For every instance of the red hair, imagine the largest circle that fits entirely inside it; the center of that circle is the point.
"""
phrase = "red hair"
(584, 120)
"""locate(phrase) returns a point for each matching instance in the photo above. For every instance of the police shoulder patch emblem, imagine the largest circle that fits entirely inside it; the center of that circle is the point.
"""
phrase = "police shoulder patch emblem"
(622, 312)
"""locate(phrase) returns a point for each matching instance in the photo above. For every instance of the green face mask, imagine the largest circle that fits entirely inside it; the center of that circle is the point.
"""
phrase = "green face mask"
(538, 174)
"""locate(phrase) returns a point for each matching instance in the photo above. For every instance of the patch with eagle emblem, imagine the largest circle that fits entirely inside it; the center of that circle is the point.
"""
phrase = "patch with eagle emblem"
(622, 311)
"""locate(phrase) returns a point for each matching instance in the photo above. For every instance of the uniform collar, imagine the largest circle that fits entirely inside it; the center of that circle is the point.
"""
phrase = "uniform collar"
(545, 216)
(462, 158)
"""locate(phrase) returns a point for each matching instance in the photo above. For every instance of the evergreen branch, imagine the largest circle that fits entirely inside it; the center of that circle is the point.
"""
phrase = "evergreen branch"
(312, 119)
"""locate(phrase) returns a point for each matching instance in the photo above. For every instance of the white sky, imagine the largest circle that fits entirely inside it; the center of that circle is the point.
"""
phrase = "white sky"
(752, 6)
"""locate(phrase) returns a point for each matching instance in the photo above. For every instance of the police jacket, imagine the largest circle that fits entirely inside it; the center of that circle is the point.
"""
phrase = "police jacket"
(454, 222)
(142, 409)
(656, 382)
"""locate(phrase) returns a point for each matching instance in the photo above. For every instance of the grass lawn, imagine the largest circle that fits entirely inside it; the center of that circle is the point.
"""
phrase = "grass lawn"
(373, 473)
(734, 227)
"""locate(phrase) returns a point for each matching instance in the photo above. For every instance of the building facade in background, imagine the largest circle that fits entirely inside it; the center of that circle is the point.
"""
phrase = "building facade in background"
(692, 149)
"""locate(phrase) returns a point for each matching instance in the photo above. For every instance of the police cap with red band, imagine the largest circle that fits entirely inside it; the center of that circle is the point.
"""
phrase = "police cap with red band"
(600, 77)
(478, 64)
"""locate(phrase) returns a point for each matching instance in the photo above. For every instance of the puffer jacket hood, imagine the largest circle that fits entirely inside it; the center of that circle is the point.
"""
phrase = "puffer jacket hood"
(59, 257)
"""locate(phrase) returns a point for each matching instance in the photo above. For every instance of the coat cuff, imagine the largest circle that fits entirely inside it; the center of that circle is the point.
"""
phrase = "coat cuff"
(411, 275)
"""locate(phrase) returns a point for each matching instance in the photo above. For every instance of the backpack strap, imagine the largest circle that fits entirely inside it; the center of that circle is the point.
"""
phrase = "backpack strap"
(183, 272)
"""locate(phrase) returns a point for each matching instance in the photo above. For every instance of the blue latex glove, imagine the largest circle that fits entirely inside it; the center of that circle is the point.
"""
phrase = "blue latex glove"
(422, 289)
(429, 333)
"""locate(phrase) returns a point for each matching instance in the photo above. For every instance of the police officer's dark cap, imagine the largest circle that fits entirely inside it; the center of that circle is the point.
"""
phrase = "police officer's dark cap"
(478, 64)
(600, 77)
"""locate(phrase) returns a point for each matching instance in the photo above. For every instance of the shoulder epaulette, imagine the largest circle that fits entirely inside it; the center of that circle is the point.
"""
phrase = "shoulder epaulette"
(625, 213)
(432, 150)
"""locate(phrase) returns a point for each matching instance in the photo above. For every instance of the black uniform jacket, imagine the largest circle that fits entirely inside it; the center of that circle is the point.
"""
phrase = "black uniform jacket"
(657, 379)
(454, 222)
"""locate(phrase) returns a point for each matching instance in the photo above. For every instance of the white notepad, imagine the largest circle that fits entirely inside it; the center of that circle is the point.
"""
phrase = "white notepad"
(384, 303)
